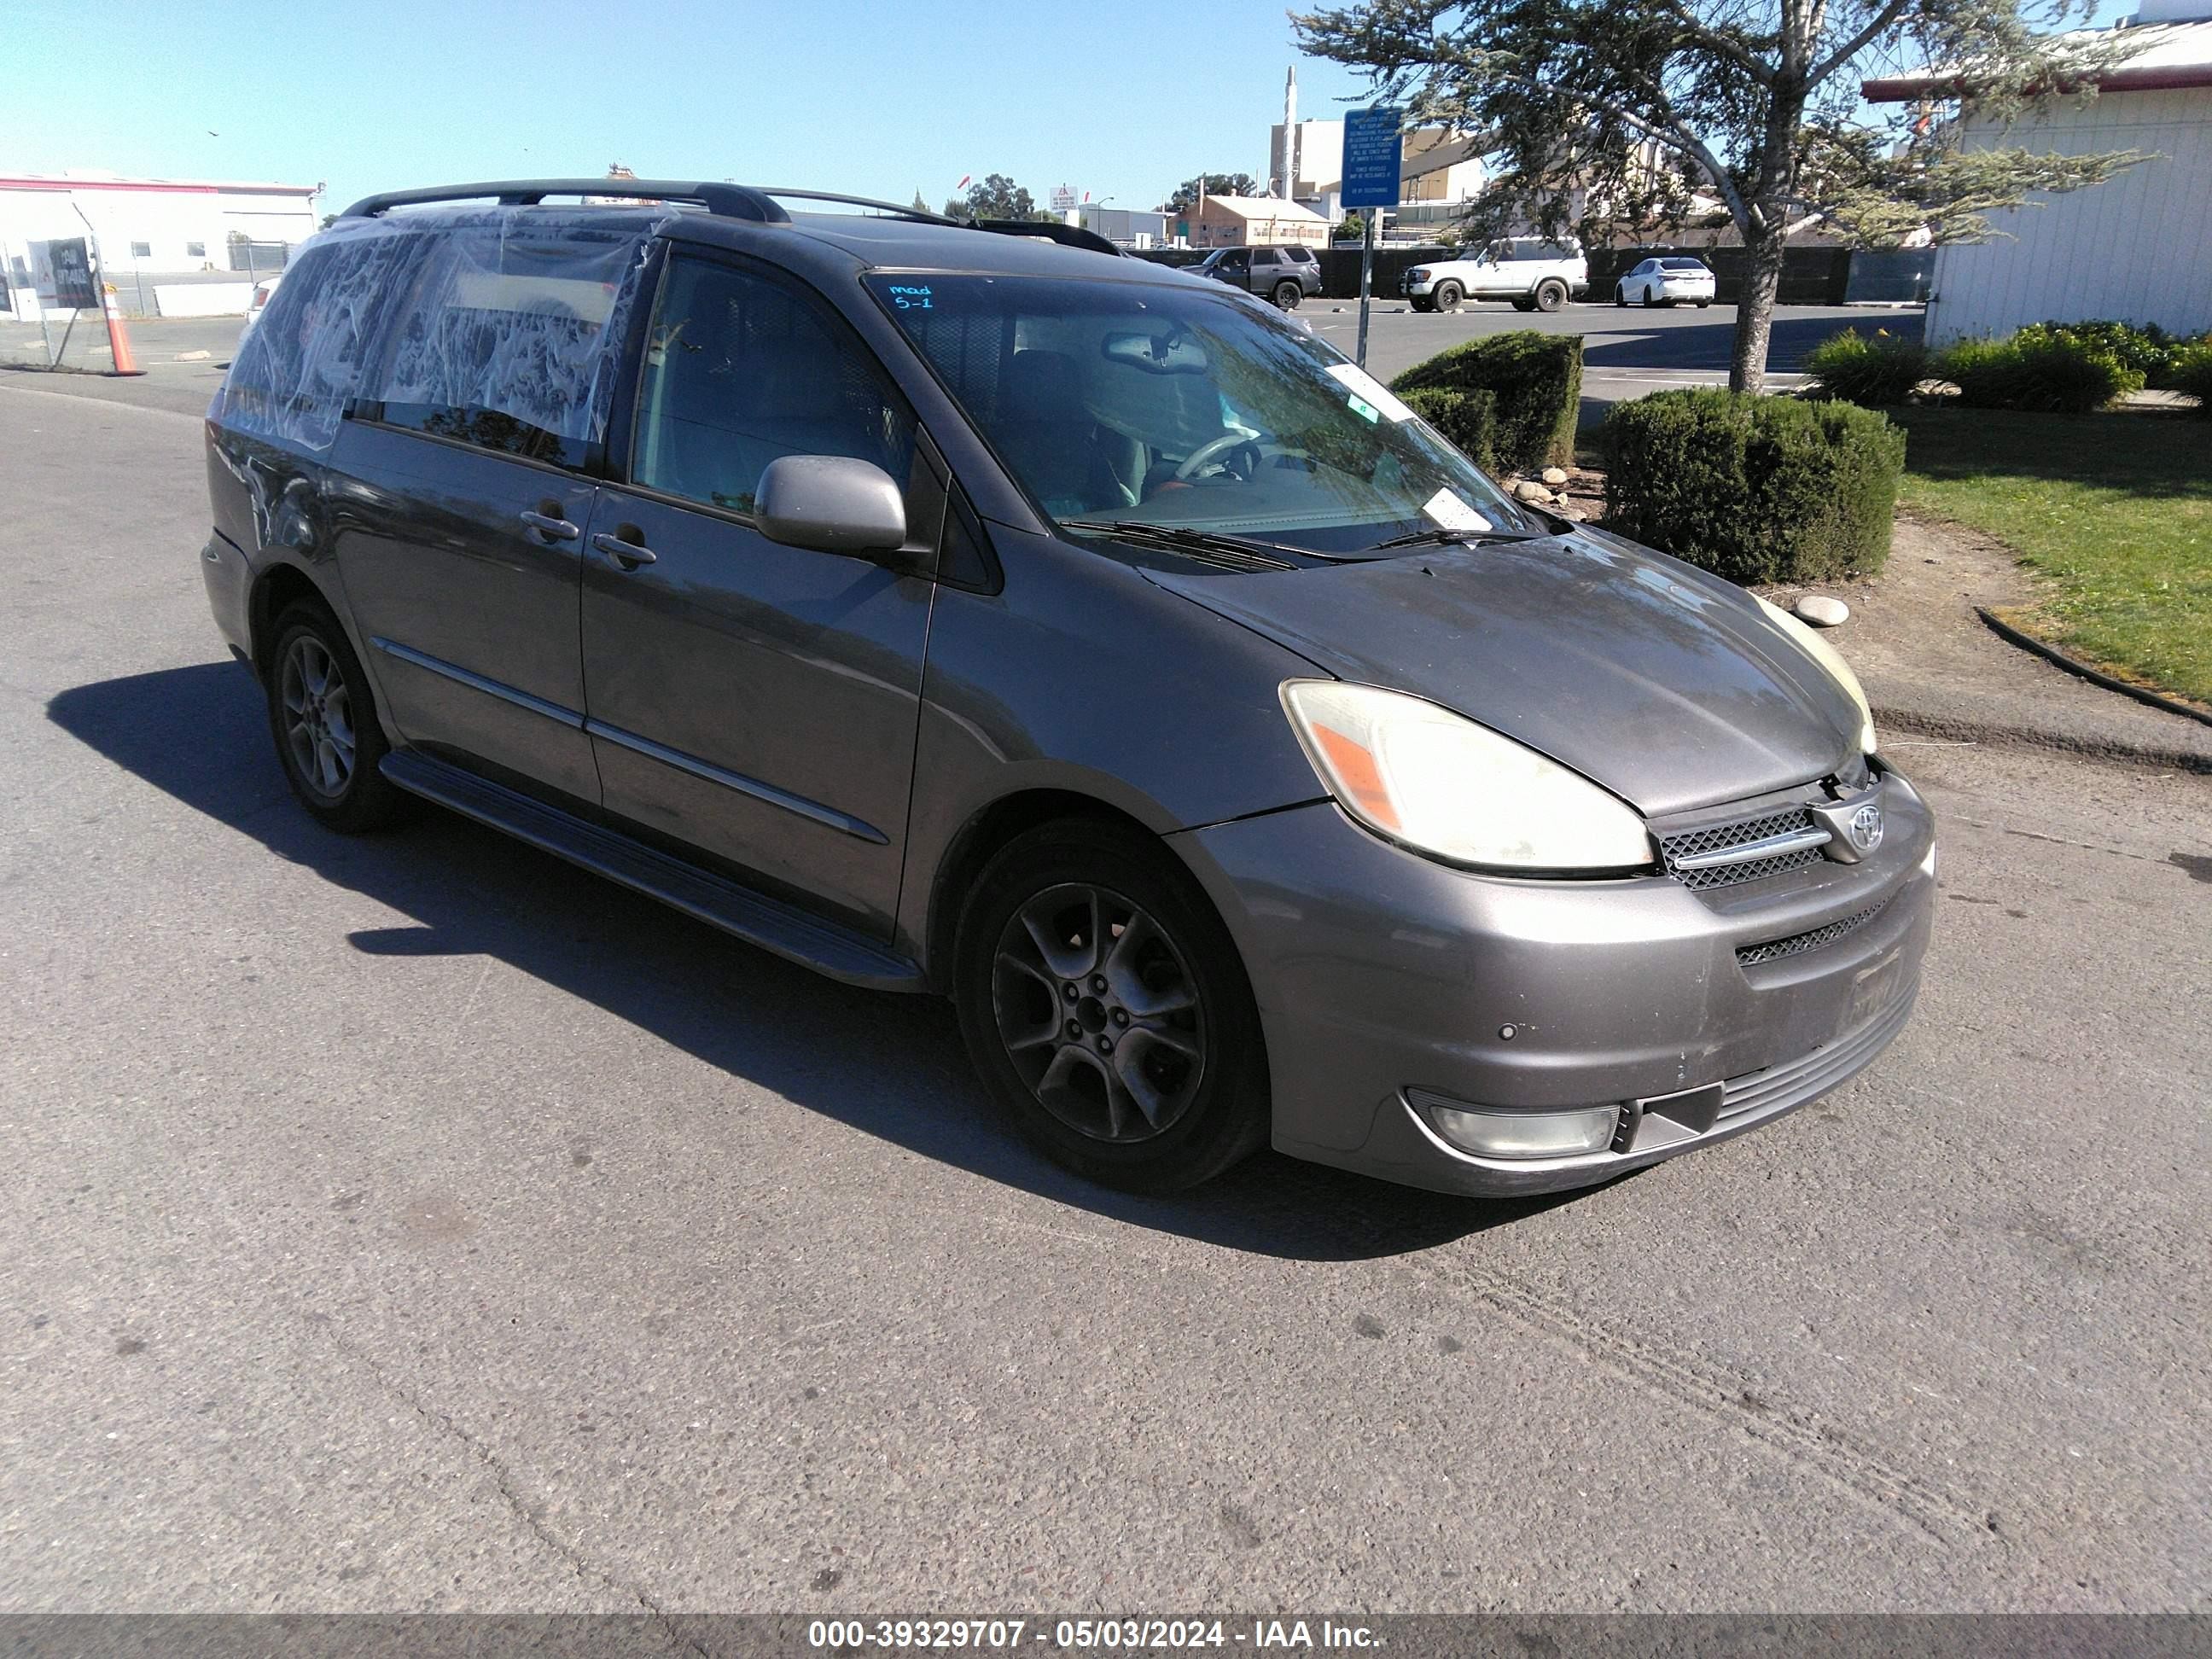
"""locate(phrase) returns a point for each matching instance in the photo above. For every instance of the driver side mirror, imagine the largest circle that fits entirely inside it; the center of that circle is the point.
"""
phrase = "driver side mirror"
(831, 503)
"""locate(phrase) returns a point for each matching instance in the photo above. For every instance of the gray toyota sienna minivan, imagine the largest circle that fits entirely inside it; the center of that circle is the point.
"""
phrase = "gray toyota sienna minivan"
(987, 614)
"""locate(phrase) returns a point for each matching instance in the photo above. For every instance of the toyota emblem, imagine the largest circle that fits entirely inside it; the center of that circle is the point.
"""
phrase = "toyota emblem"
(1865, 828)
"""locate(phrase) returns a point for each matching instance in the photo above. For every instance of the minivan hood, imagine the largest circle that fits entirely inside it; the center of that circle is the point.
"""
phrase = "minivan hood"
(1668, 686)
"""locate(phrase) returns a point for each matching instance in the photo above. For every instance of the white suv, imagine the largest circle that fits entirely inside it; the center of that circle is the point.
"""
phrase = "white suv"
(1534, 276)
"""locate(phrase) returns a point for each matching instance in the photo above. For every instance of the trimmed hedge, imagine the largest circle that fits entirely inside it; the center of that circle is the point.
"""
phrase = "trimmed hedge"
(2040, 368)
(1877, 371)
(1756, 489)
(2191, 373)
(1468, 420)
(1536, 380)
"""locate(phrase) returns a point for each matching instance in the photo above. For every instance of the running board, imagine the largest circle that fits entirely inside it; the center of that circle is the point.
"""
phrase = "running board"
(789, 932)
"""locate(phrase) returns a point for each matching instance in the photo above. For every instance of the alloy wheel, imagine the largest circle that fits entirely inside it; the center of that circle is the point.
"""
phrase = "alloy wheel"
(318, 719)
(1099, 1012)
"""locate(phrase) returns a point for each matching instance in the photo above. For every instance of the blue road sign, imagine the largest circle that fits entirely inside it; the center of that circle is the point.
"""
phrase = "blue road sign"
(1373, 148)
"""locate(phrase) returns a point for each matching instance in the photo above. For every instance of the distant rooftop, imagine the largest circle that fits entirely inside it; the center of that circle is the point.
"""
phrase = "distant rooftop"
(2169, 56)
(92, 180)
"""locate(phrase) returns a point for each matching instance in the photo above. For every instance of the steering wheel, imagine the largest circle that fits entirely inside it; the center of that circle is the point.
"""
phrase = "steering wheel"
(1221, 446)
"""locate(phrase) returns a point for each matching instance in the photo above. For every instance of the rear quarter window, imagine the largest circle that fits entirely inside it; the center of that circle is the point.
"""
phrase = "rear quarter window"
(295, 373)
(505, 339)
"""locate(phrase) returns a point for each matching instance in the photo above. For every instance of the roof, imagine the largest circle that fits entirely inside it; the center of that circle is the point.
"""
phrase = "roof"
(883, 240)
(1263, 207)
(66, 181)
(2168, 56)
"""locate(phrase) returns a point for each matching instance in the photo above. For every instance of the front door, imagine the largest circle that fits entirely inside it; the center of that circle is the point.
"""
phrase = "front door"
(756, 701)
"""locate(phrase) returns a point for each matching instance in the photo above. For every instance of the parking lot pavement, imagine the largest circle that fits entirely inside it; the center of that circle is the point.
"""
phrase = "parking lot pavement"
(183, 359)
(1625, 353)
(410, 1222)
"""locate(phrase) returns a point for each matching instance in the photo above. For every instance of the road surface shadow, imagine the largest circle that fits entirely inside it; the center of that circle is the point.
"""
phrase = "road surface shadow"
(889, 1066)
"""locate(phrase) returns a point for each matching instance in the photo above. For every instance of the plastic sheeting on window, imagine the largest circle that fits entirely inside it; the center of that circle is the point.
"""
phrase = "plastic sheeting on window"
(484, 326)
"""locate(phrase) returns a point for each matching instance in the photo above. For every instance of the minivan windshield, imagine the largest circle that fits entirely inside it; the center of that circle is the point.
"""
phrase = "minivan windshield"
(1177, 407)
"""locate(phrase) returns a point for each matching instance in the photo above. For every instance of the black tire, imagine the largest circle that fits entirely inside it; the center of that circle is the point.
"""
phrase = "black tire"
(1448, 297)
(1287, 295)
(1551, 296)
(1419, 303)
(1703, 304)
(1522, 302)
(1620, 296)
(333, 726)
(1213, 1107)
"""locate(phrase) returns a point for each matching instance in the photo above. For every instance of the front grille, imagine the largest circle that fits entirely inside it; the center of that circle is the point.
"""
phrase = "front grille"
(1775, 948)
(1718, 837)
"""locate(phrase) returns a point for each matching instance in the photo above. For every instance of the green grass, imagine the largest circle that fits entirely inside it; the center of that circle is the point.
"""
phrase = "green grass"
(2113, 512)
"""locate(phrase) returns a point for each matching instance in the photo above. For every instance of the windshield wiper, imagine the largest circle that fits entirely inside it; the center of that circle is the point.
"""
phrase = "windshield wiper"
(1232, 552)
(1446, 537)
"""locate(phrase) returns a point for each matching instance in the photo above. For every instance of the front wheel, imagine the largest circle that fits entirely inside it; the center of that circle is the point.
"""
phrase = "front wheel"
(1287, 295)
(323, 718)
(1551, 296)
(1620, 296)
(1522, 302)
(1104, 1005)
(1703, 304)
(1421, 304)
(1448, 297)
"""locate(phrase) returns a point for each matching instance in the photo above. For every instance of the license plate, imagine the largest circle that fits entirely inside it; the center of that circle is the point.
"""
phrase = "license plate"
(1872, 988)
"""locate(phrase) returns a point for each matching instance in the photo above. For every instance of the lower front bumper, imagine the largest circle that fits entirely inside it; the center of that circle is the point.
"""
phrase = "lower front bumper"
(1378, 972)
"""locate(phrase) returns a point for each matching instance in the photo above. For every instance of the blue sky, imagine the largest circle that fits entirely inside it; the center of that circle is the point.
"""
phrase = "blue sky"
(1124, 99)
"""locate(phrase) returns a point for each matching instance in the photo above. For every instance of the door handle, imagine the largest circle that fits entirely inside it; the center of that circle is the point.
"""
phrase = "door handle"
(554, 529)
(628, 554)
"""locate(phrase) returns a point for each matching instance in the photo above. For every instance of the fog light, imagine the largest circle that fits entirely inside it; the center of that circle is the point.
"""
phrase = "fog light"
(1518, 1134)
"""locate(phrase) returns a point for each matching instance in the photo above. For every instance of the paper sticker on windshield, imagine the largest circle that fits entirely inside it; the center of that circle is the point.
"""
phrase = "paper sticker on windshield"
(1449, 512)
(1366, 389)
(1365, 411)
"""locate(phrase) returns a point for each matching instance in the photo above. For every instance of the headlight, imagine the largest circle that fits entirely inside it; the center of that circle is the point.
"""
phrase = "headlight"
(1425, 777)
(1831, 659)
(1417, 275)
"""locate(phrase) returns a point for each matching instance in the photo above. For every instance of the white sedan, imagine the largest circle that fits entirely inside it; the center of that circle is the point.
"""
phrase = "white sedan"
(1665, 281)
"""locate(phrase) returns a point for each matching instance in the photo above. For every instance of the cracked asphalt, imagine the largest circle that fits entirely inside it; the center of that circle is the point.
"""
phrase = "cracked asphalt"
(411, 1223)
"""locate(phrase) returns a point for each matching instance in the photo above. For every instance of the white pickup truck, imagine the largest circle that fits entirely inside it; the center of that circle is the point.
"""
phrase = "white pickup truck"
(1535, 275)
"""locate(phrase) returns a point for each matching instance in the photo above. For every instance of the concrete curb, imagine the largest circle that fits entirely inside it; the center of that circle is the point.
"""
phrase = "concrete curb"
(2005, 631)
(1950, 728)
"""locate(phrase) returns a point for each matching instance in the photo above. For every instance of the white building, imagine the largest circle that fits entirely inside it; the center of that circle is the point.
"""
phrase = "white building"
(1123, 227)
(1438, 171)
(2138, 248)
(153, 234)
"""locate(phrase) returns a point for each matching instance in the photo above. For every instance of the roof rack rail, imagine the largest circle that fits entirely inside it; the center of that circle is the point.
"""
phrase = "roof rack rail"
(732, 201)
(1051, 229)
(754, 201)
(893, 209)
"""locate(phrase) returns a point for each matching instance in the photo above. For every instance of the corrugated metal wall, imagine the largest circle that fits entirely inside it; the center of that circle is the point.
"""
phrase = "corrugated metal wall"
(2138, 248)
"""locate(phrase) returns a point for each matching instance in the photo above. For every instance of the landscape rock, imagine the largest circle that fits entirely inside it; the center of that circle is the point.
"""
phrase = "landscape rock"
(1821, 612)
(1555, 475)
(1528, 491)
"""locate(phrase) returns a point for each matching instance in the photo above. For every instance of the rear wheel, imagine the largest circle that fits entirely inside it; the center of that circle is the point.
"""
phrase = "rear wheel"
(1551, 296)
(1522, 302)
(1287, 295)
(324, 720)
(1448, 297)
(1702, 304)
(1104, 1005)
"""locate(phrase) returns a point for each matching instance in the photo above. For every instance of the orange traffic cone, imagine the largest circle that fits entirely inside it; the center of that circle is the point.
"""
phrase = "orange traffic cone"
(118, 336)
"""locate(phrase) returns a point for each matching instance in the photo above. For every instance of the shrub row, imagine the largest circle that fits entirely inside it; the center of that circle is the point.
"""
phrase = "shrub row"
(1876, 373)
(1535, 383)
(1756, 489)
(2191, 374)
(2062, 368)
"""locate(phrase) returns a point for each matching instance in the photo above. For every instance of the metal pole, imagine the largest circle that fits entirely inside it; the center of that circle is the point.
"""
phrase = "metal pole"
(1366, 277)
